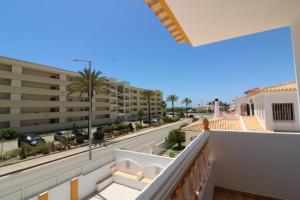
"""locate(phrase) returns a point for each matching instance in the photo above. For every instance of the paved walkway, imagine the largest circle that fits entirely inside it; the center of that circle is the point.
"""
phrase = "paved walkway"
(27, 164)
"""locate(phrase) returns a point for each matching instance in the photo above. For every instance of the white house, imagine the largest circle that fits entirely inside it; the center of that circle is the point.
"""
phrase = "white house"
(275, 107)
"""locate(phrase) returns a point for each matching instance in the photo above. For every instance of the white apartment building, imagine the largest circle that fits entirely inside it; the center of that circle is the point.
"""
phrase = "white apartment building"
(275, 107)
(33, 98)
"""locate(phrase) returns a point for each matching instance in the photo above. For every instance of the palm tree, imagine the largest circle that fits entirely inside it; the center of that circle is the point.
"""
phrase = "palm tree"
(186, 101)
(148, 94)
(140, 113)
(81, 83)
(172, 98)
(163, 106)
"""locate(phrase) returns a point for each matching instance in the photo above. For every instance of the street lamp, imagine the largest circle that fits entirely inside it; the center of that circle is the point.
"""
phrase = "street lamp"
(90, 104)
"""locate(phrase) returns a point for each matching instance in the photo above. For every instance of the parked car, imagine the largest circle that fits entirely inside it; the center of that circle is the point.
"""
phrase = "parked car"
(152, 120)
(31, 139)
(63, 136)
(81, 134)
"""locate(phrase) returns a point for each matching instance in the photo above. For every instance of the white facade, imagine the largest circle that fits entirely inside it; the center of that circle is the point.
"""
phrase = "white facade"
(260, 105)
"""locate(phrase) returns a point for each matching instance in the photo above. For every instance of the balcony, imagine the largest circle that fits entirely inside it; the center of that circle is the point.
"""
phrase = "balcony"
(232, 165)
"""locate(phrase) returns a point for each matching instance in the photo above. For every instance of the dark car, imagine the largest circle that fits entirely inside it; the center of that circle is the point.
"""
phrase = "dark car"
(63, 136)
(81, 134)
(31, 139)
(152, 120)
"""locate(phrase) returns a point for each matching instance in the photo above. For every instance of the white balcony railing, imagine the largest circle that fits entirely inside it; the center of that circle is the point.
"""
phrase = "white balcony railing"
(167, 186)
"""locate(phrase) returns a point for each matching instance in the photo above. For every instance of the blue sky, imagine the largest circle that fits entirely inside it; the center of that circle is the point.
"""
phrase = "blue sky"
(126, 41)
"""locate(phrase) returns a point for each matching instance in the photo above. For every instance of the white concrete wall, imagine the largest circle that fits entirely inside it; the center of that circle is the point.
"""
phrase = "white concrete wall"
(87, 185)
(259, 108)
(261, 163)
(142, 159)
(281, 97)
(61, 192)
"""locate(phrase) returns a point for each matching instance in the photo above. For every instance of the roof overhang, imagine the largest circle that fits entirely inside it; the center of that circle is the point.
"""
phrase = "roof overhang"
(201, 22)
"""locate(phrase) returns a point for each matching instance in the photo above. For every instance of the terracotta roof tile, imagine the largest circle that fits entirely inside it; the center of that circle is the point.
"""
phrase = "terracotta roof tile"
(216, 124)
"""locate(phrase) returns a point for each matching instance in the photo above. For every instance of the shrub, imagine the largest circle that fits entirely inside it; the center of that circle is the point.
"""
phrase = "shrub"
(115, 127)
(11, 154)
(181, 114)
(9, 133)
(138, 125)
(170, 119)
(79, 140)
(131, 127)
(98, 135)
(123, 127)
(43, 148)
(177, 136)
(172, 154)
(24, 152)
(155, 124)
(107, 129)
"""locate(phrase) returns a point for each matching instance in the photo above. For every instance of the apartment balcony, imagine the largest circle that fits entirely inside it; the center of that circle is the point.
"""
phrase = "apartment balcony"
(30, 90)
(102, 104)
(44, 115)
(30, 77)
(227, 165)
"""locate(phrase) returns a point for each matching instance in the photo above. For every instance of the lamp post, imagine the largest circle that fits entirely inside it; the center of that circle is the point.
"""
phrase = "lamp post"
(90, 104)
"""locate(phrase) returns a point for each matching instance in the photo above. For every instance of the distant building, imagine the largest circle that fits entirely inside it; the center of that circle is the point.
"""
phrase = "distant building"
(33, 98)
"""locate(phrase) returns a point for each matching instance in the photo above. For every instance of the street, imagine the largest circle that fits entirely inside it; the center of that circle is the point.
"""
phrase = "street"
(24, 178)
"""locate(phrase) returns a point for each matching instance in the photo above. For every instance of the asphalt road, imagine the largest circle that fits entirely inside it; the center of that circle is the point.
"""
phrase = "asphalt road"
(25, 178)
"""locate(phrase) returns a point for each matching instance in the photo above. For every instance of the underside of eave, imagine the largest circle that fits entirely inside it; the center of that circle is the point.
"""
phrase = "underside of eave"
(167, 18)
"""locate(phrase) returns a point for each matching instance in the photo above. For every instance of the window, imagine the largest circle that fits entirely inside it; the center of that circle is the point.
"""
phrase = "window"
(283, 111)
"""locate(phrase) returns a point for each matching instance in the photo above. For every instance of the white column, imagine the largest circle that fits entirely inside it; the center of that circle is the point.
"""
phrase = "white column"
(217, 109)
(295, 28)
(62, 99)
(15, 96)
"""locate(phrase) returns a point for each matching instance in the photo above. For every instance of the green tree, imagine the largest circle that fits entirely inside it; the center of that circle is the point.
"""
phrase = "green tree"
(164, 106)
(186, 101)
(81, 83)
(172, 98)
(140, 113)
(148, 94)
(177, 136)
(9, 133)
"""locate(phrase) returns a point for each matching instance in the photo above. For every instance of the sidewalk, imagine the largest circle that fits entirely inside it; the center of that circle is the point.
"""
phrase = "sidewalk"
(27, 164)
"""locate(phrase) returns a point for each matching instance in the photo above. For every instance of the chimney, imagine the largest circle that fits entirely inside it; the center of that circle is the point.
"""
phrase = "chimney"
(217, 109)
